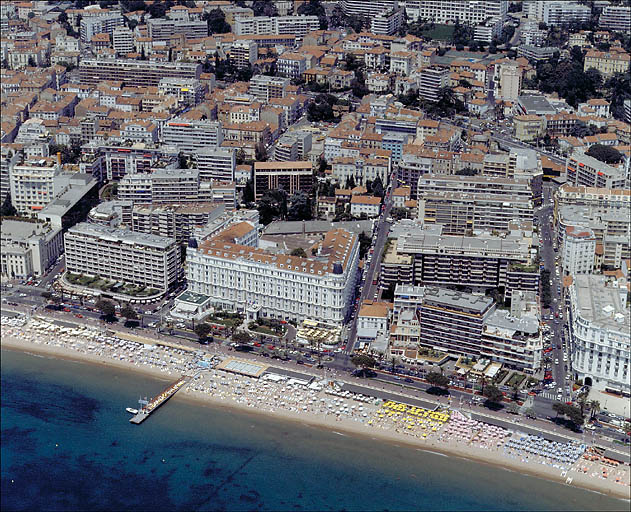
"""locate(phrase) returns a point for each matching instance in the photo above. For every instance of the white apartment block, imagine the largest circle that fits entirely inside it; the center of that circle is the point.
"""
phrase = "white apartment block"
(368, 9)
(402, 63)
(123, 40)
(387, 23)
(579, 250)
(465, 11)
(616, 18)
(99, 25)
(431, 80)
(508, 82)
(243, 53)
(585, 171)
(262, 25)
(29, 249)
(188, 91)
(372, 320)
(32, 184)
(276, 285)
(291, 65)
(121, 255)
(216, 164)
(563, 13)
(191, 135)
(367, 205)
(600, 330)
(265, 87)
(162, 29)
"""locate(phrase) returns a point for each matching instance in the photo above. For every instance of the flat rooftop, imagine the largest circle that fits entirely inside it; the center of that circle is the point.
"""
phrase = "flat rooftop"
(600, 303)
(458, 300)
(193, 297)
(242, 367)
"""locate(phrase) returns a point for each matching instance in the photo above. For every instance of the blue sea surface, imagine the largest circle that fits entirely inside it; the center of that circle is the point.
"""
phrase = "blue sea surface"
(67, 445)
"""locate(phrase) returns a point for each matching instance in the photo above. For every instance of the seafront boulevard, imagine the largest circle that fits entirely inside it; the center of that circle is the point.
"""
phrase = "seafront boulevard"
(327, 401)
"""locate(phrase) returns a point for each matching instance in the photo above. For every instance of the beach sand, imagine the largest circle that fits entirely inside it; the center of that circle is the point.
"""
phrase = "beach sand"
(265, 397)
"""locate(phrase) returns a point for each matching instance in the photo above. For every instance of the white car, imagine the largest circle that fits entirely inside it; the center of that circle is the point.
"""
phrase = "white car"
(556, 361)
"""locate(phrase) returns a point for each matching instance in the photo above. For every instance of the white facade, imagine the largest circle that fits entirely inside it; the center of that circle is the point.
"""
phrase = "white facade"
(563, 13)
(32, 184)
(579, 249)
(29, 249)
(465, 11)
(600, 332)
(387, 23)
(191, 135)
(216, 164)
(99, 25)
(123, 40)
(284, 287)
(122, 255)
(509, 81)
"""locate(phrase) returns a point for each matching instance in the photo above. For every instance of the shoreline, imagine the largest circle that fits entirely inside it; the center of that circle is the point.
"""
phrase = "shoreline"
(338, 425)
(464, 451)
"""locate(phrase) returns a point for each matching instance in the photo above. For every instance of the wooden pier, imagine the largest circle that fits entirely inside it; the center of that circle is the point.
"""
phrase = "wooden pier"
(158, 400)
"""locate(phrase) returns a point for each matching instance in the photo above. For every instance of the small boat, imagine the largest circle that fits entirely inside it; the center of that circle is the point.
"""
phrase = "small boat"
(131, 411)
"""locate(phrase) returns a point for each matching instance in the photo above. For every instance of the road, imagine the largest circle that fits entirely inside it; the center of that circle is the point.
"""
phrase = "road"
(369, 289)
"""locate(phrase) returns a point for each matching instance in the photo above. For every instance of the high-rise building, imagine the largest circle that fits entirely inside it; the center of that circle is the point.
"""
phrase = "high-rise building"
(28, 248)
(99, 25)
(162, 29)
(192, 135)
(32, 184)
(265, 87)
(387, 23)
(138, 73)
(616, 18)
(292, 177)
(464, 11)
(367, 9)
(121, 255)
(564, 13)
(584, 170)
(431, 80)
(509, 81)
(579, 251)
(123, 40)
(216, 164)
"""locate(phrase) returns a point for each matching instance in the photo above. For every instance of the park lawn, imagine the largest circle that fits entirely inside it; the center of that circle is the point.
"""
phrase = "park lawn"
(515, 379)
(440, 32)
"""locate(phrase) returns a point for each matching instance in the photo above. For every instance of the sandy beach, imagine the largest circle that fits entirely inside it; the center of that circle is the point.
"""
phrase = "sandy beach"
(324, 404)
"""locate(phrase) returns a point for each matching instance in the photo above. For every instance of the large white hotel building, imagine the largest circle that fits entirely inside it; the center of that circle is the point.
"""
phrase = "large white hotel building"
(244, 277)
(600, 333)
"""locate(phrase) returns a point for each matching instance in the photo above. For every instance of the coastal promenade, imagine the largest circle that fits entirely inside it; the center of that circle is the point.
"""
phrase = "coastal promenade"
(325, 400)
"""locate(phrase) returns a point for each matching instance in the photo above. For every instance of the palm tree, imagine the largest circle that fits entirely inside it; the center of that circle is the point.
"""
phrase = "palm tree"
(594, 406)
(582, 401)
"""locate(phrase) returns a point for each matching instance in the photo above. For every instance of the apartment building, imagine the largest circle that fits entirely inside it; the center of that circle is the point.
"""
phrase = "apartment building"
(292, 177)
(516, 342)
(608, 63)
(508, 87)
(615, 18)
(162, 29)
(407, 297)
(402, 62)
(281, 25)
(586, 171)
(529, 127)
(431, 80)
(564, 13)
(453, 321)
(291, 65)
(599, 330)
(123, 256)
(91, 26)
(478, 262)
(242, 53)
(28, 248)
(190, 136)
(176, 221)
(8, 158)
(373, 320)
(238, 277)
(164, 186)
(137, 73)
(216, 164)
(294, 145)
(610, 228)
(594, 198)
(367, 9)
(367, 206)
(464, 11)
(32, 184)
(123, 40)
(264, 88)
(387, 23)
(122, 159)
(579, 251)
(188, 91)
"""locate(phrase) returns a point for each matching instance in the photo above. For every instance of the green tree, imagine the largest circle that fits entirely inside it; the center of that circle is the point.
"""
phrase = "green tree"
(377, 187)
(493, 394)
(129, 313)
(106, 308)
(216, 20)
(604, 153)
(594, 408)
(438, 380)
(314, 8)
(260, 153)
(248, 192)
(264, 8)
(299, 207)
(272, 205)
(7, 209)
(202, 330)
(241, 337)
(298, 251)
(363, 361)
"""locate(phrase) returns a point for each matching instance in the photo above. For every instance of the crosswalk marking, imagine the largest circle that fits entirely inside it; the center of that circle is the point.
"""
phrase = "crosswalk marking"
(549, 395)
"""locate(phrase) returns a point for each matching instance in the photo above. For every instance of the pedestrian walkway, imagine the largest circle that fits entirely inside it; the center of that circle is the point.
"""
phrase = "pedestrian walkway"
(550, 395)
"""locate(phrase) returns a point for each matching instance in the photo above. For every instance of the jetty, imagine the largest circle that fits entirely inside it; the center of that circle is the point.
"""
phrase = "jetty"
(158, 400)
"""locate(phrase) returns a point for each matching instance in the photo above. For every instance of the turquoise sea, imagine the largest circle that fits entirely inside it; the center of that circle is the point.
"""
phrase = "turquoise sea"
(67, 445)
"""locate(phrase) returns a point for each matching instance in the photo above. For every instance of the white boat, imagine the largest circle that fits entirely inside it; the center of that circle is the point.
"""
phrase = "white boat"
(132, 411)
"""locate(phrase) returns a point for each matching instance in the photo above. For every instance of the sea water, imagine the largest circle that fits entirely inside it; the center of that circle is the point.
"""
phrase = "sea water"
(67, 444)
